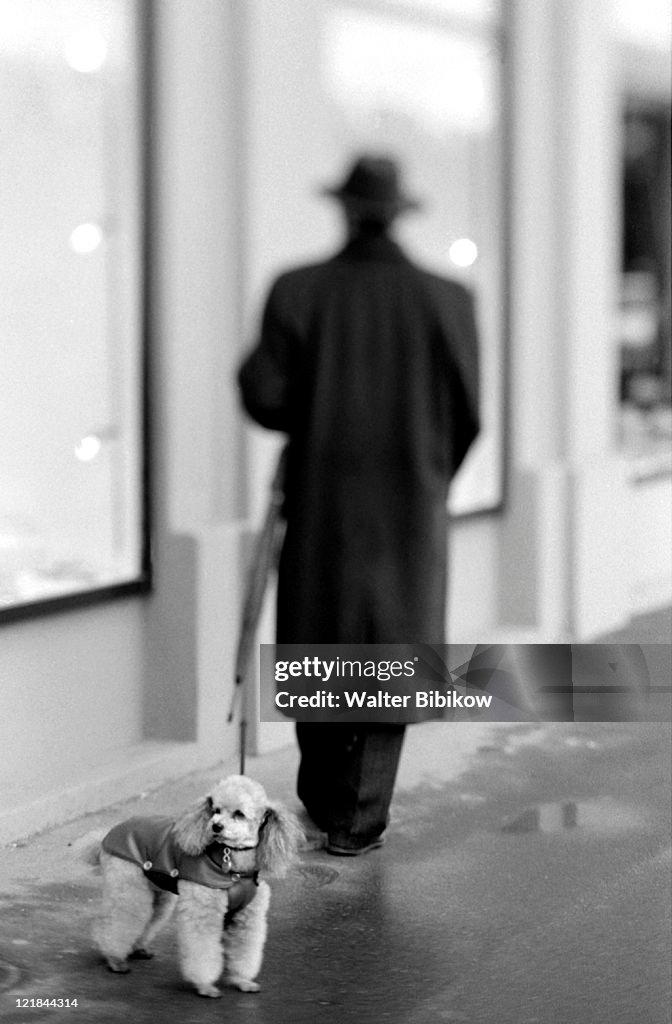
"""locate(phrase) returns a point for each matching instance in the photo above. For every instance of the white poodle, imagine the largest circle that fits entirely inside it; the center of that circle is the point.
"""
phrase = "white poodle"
(207, 864)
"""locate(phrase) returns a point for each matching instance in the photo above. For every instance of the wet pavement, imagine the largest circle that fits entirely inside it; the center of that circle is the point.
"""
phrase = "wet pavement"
(525, 880)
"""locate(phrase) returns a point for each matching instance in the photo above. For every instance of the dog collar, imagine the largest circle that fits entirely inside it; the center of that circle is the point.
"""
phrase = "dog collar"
(222, 855)
(238, 877)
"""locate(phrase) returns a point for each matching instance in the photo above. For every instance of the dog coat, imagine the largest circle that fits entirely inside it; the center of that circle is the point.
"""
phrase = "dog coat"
(150, 843)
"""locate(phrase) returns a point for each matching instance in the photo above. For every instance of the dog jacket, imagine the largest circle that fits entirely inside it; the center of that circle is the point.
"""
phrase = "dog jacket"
(150, 843)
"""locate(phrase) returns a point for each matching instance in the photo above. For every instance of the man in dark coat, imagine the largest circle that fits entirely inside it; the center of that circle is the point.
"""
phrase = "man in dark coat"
(370, 366)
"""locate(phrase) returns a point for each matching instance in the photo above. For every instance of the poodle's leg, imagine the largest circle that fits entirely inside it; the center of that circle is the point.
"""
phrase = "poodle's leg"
(127, 908)
(244, 940)
(164, 905)
(200, 919)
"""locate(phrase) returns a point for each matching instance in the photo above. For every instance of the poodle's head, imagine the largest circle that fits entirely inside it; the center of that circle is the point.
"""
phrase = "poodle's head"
(237, 813)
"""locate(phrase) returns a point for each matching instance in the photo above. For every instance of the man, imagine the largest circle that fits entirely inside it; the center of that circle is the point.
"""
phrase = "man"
(370, 366)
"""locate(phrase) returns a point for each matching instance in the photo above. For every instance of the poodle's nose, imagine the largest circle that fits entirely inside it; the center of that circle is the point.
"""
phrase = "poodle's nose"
(217, 826)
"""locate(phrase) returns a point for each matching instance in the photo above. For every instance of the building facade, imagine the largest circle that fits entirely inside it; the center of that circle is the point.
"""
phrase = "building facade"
(113, 697)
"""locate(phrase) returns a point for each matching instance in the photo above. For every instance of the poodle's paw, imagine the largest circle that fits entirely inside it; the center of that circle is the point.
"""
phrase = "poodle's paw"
(117, 965)
(242, 984)
(141, 954)
(211, 991)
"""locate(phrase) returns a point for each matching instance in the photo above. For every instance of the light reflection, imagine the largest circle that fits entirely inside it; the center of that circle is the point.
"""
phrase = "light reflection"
(86, 238)
(463, 252)
(88, 448)
(86, 51)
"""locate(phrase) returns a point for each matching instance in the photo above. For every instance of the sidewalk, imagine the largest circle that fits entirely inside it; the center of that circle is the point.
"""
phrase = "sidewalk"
(525, 880)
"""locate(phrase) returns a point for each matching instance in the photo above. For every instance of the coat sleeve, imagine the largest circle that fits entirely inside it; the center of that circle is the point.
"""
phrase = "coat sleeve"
(266, 375)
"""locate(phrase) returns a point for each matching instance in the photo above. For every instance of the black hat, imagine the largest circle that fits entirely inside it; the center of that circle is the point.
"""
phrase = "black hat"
(373, 186)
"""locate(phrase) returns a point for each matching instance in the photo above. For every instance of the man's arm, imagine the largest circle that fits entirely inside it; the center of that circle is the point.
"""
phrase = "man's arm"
(265, 376)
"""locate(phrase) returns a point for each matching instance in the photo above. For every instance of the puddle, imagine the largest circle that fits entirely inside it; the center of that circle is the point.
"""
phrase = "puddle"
(600, 816)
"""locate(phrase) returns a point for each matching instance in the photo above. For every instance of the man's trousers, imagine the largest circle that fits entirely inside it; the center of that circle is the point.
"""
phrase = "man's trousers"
(346, 778)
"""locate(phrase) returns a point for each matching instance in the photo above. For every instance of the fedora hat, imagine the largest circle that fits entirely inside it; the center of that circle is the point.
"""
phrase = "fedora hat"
(373, 184)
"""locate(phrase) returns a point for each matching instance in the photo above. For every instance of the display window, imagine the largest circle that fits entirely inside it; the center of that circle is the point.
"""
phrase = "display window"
(73, 389)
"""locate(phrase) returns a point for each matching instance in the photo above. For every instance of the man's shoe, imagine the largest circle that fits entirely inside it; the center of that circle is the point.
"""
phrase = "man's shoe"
(314, 837)
(353, 851)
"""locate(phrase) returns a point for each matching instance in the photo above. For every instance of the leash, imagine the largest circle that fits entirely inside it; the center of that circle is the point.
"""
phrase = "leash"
(263, 561)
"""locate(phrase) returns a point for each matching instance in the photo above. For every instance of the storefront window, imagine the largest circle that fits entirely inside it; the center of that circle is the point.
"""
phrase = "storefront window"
(71, 263)
(645, 336)
(430, 92)
(421, 80)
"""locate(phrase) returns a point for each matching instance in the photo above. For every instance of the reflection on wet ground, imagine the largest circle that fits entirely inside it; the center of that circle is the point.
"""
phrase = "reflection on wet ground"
(456, 920)
(546, 818)
(593, 816)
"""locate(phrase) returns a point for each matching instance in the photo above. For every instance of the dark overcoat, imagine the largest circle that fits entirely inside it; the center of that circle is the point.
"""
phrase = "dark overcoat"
(370, 365)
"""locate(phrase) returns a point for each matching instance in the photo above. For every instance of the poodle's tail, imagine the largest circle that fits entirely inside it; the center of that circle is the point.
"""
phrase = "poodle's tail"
(87, 847)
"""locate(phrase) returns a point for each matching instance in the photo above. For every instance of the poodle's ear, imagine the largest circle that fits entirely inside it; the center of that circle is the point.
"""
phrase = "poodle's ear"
(280, 836)
(191, 829)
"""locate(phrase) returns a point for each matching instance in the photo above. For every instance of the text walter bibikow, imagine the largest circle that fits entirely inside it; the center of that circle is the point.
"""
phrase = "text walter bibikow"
(381, 699)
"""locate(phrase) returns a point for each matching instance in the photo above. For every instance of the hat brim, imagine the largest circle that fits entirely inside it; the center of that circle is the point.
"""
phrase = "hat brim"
(388, 206)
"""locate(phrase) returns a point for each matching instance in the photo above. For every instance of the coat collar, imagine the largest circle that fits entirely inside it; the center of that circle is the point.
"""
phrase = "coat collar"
(372, 247)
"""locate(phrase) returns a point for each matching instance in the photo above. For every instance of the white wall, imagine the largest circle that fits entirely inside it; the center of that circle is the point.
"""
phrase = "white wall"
(69, 683)
(70, 701)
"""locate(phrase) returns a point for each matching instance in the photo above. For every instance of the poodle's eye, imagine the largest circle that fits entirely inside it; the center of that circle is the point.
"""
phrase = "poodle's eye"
(239, 815)
(215, 810)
